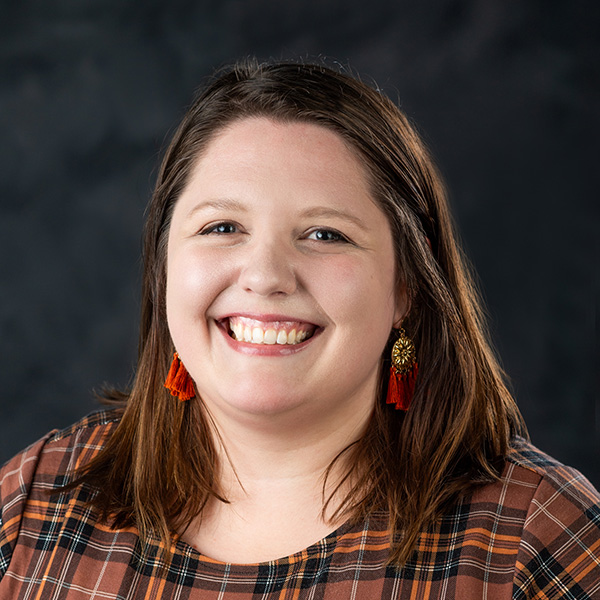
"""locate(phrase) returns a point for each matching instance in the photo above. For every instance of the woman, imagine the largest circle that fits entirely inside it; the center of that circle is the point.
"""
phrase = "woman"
(316, 411)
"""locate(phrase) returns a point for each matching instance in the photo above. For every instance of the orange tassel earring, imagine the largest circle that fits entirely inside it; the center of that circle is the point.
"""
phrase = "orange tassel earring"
(179, 382)
(403, 372)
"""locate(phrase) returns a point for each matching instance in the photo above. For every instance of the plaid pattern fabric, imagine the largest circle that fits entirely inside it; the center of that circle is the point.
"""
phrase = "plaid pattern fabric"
(533, 534)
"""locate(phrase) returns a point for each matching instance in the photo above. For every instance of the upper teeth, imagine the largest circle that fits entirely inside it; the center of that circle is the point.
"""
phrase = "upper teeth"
(255, 332)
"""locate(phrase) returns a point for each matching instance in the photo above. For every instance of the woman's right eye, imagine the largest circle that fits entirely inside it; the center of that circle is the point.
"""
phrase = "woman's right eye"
(223, 228)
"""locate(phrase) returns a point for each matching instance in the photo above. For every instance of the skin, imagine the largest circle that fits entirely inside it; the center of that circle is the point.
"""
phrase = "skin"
(277, 223)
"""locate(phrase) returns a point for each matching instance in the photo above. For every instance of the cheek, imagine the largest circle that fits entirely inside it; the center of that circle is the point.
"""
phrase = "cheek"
(192, 284)
(361, 295)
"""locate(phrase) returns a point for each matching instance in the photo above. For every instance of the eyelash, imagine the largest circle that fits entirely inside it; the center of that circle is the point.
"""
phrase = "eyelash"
(234, 228)
(339, 237)
(215, 226)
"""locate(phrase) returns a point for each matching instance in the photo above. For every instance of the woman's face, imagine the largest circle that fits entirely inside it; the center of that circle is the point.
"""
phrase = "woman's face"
(280, 274)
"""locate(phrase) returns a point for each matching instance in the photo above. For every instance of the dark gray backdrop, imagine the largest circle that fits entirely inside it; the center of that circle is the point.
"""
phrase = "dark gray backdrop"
(501, 89)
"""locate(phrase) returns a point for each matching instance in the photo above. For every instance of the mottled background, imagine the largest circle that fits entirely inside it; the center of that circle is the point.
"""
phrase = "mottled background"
(504, 92)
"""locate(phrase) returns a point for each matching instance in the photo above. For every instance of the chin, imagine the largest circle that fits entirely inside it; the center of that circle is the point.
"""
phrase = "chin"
(263, 402)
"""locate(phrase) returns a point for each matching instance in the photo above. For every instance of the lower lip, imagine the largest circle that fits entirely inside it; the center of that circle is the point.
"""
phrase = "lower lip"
(265, 349)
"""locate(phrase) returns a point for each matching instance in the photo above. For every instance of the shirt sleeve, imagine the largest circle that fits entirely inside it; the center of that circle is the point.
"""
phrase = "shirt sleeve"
(559, 554)
(16, 478)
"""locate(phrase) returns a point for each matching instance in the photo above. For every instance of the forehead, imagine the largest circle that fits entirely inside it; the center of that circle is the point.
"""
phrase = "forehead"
(303, 148)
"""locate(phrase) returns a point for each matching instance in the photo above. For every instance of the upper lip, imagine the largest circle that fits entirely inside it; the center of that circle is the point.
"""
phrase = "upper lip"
(268, 318)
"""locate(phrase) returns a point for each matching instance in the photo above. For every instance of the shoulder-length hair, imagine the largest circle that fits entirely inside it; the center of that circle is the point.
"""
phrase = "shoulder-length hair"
(160, 466)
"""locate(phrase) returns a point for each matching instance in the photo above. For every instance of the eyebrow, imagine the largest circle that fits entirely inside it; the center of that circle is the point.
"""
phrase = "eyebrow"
(218, 204)
(324, 211)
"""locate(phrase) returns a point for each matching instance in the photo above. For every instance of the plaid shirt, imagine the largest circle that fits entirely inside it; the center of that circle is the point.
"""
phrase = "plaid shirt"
(533, 534)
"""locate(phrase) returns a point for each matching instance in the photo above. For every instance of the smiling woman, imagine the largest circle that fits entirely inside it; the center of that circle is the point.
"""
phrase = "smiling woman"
(298, 255)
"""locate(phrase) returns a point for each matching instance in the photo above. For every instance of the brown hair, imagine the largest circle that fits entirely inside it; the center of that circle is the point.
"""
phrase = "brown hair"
(159, 468)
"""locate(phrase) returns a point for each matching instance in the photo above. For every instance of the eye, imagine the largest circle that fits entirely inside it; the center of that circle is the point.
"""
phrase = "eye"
(223, 228)
(326, 235)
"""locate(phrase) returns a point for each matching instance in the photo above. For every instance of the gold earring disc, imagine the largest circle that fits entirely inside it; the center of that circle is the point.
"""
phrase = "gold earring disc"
(403, 354)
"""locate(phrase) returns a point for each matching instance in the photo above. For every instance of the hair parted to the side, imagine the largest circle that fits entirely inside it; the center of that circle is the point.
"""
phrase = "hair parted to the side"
(160, 467)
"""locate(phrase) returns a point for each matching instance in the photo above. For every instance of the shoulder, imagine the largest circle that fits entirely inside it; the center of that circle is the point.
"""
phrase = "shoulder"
(564, 484)
(59, 452)
(71, 447)
(560, 540)
(44, 466)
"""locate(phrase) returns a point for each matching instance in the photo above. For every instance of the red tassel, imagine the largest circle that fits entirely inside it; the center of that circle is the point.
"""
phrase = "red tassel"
(178, 381)
(401, 388)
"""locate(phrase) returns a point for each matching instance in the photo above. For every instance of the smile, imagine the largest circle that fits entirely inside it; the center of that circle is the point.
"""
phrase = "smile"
(282, 333)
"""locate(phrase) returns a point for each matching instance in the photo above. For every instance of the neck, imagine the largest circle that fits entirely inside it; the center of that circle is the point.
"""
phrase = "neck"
(286, 451)
(272, 472)
(274, 481)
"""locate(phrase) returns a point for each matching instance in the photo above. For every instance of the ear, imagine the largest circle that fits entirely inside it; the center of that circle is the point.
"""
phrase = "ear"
(402, 306)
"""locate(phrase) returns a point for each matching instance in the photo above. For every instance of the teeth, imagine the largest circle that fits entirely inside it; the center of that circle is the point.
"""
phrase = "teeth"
(270, 336)
(255, 334)
(239, 331)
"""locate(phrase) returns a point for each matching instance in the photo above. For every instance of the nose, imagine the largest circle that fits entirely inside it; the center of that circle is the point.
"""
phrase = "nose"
(268, 270)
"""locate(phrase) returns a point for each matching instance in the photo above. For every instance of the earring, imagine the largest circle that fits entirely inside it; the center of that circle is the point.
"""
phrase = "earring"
(403, 372)
(178, 381)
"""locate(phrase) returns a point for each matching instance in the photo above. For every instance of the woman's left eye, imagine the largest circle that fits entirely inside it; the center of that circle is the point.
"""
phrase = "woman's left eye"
(326, 235)
(220, 228)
